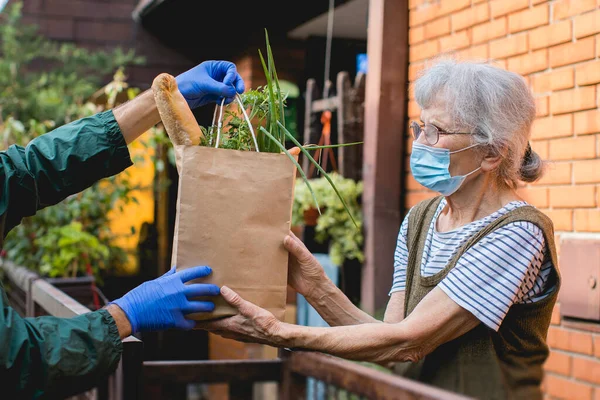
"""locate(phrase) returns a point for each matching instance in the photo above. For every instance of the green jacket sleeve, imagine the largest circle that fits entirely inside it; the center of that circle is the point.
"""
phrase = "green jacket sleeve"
(59, 163)
(48, 356)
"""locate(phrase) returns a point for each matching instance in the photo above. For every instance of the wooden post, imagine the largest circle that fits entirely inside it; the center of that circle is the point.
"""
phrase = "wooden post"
(385, 113)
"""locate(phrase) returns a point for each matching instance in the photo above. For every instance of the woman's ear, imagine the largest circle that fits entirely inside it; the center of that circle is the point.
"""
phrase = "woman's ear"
(491, 162)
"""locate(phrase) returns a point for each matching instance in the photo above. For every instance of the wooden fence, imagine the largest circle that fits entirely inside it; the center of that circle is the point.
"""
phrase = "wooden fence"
(332, 377)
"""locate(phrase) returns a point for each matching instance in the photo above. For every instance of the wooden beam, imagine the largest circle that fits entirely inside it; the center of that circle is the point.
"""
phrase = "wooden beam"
(385, 114)
(362, 380)
(212, 371)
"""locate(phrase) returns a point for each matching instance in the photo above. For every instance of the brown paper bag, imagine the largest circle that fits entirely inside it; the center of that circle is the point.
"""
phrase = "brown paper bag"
(233, 211)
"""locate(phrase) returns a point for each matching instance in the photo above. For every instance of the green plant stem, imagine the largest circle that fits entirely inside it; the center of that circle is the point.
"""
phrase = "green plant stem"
(316, 164)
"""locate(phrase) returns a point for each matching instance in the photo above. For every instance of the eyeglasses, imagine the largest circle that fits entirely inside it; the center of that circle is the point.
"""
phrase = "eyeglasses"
(432, 133)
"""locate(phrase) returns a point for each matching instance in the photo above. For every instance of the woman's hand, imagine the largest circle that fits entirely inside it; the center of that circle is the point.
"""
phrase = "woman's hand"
(304, 271)
(251, 324)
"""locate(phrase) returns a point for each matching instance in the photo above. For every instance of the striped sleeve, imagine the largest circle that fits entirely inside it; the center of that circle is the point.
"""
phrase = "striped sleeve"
(400, 258)
(497, 272)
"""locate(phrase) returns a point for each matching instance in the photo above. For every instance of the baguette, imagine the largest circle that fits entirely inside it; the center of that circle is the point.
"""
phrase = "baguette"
(174, 111)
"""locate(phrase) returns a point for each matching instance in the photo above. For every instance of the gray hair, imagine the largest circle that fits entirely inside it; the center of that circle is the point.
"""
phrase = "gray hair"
(493, 104)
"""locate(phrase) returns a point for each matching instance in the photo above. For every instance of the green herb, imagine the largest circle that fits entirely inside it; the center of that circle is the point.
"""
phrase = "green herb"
(266, 105)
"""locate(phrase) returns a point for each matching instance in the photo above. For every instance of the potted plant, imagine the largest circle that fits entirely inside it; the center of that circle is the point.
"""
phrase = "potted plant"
(341, 226)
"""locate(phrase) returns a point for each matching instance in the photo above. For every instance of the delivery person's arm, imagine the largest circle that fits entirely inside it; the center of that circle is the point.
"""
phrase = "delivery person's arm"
(52, 356)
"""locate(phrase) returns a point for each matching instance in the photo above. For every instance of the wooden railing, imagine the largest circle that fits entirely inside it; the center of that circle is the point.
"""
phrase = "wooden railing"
(332, 377)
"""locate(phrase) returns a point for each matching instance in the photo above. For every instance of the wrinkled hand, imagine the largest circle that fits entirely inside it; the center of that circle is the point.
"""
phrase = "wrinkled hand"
(251, 324)
(163, 302)
(304, 271)
(209, 82)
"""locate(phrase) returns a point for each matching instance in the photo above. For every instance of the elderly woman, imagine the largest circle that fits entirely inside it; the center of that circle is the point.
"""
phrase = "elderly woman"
(475, 277)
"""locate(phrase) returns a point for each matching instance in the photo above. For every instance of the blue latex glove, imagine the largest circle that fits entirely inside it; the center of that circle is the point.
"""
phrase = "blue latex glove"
(209, 82)
(163, 302)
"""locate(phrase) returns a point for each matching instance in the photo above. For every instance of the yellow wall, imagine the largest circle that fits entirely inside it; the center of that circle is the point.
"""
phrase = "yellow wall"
(132, 214)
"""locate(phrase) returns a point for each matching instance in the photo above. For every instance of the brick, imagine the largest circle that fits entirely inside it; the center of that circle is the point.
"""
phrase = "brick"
(104, 31)
(528, 19)
(534, 195)
(559, 363)
(572, 148)
(541, 148)
(503, 7)
(556, 316)
(574, 341)
(570, 53)
(583, 98)
(567, 389)
(416, 35)
(415, 3)
(412, 184)
(479, 52)
(413, 70)
(563, 78)
(563, 221)
(568, 8)
(451, 6)
(438, 27)
(32, 6)
(414, 111)
(424, 50)
(597, 346)
(556, 174)
(586, 24)
(572, 197)
(541, 106)
(413, 198)
(456, 41)
(471, 16)
(587, 221)
(510, 46)
(551, 35)
(58, 28)
(552, 127)
(586, 370)
(586, 171)
(423, 14)
(588, 73)
(586, 122)
(490, 30)
(86, 9)
(528, 63)
(536, 2)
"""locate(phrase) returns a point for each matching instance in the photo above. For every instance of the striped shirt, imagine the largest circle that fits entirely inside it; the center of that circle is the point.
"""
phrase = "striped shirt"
(508, 266)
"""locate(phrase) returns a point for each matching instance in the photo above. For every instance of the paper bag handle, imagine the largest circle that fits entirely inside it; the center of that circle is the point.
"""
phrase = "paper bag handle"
(220, 121)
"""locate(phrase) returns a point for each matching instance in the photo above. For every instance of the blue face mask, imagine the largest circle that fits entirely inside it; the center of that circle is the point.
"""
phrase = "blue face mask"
(430, 167)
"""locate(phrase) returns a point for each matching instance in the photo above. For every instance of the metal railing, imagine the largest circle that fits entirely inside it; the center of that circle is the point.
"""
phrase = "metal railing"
(330, 377)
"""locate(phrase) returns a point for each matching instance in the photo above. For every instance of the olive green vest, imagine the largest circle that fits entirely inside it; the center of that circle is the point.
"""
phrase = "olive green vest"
(483, 363)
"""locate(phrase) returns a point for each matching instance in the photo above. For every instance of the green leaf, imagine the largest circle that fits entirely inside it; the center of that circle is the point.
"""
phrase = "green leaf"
(274, 71)
(298, 167)
(330, 146)
(316, 164)
(272, 116)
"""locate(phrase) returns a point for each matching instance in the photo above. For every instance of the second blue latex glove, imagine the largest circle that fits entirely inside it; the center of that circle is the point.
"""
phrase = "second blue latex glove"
(209, 82)
(163, 302)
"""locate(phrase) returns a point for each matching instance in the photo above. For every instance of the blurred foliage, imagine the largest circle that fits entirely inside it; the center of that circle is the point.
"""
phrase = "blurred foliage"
(334, 223)
(69, 238)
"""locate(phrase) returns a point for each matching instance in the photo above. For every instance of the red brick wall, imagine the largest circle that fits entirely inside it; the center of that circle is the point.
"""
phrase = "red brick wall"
(555, 45)
(104, 25)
